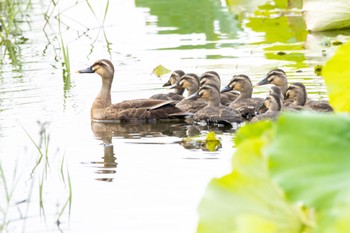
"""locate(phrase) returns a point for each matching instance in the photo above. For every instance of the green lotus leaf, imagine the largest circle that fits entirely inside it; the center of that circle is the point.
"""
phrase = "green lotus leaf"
(249, 131)
(246, 200)
(336, 74)
(309, 159)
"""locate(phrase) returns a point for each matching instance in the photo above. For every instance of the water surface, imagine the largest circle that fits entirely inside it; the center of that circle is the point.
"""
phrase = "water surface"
(134, 177)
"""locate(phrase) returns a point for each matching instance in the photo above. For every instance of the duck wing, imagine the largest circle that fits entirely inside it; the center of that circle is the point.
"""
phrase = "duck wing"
(141, 110)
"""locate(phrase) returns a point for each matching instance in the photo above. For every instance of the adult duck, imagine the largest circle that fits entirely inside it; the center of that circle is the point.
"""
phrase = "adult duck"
(129, 110)
(178, 91)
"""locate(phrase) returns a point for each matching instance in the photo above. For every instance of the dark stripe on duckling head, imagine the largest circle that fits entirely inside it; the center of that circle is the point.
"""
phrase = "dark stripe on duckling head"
(209, 86)
(300, 85)
(211, 73)
(179, 73)
(190, 77)
(241, 77)
(276, 71)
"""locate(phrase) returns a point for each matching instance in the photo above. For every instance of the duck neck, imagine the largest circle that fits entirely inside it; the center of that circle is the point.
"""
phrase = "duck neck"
(214, 102)
(103, 99)
(246, 91)
(192, 89)
(179, 91)
(284, 87)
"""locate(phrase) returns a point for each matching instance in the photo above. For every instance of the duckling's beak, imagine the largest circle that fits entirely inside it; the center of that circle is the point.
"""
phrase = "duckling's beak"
(225, 89)
(175, 85)
(167, 84)
(194, 96)
(87, 70)
(263, 82)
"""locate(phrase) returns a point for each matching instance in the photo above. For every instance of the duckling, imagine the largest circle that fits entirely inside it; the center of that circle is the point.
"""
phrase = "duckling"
(214, 112)
(129, 110)
(245, 104)
(177, 95)
(277, 77)
(296, 95)
(191, 83)
(273, 90)
(277, 90)
(273, 105)
(213, 78)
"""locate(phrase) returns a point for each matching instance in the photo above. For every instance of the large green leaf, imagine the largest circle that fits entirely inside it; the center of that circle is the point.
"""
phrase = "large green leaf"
(246, 200)
(309, 158)
(336, 74)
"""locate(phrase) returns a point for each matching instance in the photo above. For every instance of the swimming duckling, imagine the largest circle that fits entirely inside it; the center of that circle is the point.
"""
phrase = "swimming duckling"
(214, 112)
(277, 77)
(277, 90)
(273, 105)
(213, 78)
(191, 83)
(273, 90)
(129, 110)
(296, 95)
(245, 104)
(177, 95)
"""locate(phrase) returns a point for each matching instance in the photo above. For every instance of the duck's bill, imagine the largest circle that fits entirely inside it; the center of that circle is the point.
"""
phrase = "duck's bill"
(263, 82)
(175, 85)
(225, 89)
(167, 84)
(194, 96)
(87, 70)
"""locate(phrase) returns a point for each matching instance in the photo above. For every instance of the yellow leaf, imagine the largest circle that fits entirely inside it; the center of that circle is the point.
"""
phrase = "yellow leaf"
(160, 70)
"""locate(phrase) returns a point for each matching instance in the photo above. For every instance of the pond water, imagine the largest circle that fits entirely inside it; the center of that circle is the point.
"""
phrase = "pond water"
(61, 173)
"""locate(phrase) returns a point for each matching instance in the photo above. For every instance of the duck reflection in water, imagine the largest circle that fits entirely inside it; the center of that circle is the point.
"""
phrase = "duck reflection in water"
(109, 163)
(180, 130)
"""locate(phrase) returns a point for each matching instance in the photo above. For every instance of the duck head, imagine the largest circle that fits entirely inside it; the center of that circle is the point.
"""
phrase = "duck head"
(189, 81)
(174, 77)
(276, 76)
(210, 93)
(211, 78)
(239, 83)
(273, 103)
(102, 67)
(297, 93)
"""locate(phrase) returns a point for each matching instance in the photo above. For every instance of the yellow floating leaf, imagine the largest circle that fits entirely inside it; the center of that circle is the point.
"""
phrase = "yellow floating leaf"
(160, 70)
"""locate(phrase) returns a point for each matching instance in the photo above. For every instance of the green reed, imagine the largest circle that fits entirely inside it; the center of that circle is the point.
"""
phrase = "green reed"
(38, 178)
(11, 12)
